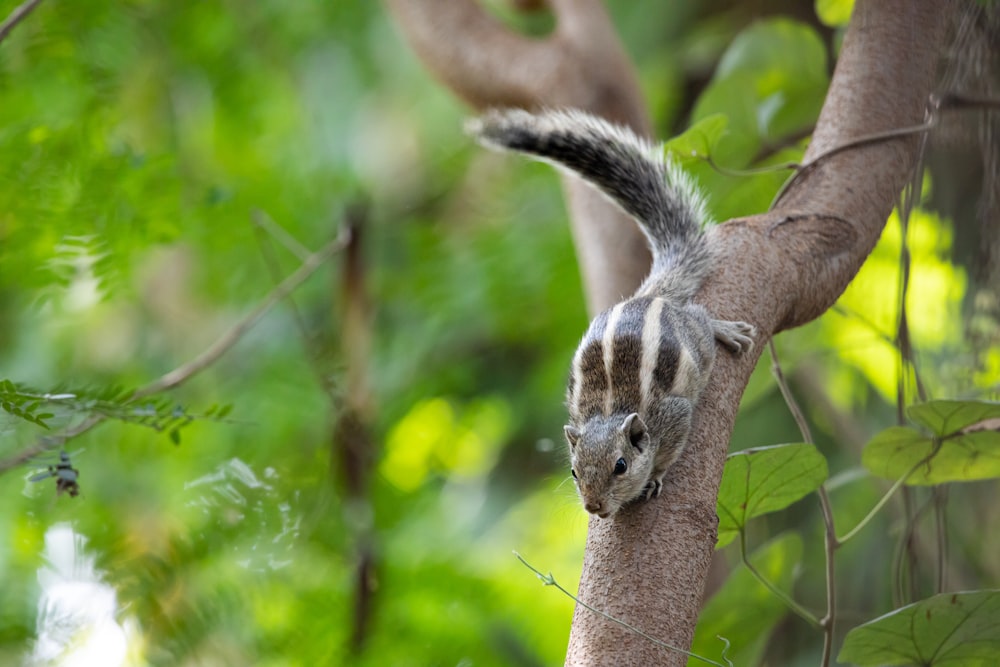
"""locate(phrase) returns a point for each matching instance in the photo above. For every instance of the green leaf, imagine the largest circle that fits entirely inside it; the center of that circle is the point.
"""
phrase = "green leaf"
(947, 417)
(765, 479)
(175, 436)
(947, 629)
(767, 98)
(960, 458)
(834, 13)
(764, 93)
(725, 614)
(699, 140)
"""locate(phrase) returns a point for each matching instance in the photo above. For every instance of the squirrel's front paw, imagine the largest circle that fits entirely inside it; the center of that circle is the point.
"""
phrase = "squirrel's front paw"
(652, 489)
(737, 336)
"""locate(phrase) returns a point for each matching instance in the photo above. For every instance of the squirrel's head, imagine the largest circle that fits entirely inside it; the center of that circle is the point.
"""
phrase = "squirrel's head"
(612, 459)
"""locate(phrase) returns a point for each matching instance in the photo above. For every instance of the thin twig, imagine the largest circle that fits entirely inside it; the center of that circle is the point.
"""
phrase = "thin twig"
(265, 223)
(786, 393)
(549, 580)
(880, 504)
(940, 495)
(905, 561)
(828, 622)
(850, 313)
(199, 363)
(16, 16)
(936, 103)
(875, 137)
(907, 362)
(798, 609)
(748, 171)
(291, 244)
(228, 339)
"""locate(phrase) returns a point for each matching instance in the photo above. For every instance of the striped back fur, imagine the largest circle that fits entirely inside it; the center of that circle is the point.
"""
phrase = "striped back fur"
(636, 354)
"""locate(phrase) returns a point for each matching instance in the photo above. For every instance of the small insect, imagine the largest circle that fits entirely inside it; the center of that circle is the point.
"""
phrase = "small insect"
(64, 472)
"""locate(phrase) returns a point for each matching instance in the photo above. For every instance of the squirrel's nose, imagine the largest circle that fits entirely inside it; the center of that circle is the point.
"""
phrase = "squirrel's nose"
(594, 506)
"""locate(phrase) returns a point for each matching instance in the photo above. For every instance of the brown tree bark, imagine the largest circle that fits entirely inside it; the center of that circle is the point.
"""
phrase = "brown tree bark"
(647, 564)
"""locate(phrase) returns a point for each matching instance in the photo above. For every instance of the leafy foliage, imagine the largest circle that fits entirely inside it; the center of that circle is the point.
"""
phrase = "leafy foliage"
(17, 401)
(698, 142)
(946, 629)
(139, 138)
(834, 12)
(765, 479)
(962, 445)
(725, 613)
(946, 418)
(159, 413)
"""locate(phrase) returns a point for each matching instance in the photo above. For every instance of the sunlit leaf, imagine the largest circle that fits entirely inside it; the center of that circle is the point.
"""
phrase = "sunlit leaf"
(762, 91)
(970, 456)
(725, 614)
(947, 417)
(947, 629)
(699, 140)
(834, 13)
(765, 479)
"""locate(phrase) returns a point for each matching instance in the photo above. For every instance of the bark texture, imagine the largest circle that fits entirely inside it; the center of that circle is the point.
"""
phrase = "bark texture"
(647, 564)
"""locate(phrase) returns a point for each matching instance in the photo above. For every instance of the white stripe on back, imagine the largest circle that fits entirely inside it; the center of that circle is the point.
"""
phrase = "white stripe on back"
(650, 352)
(577, 371)
(686, 369)
(608, 347)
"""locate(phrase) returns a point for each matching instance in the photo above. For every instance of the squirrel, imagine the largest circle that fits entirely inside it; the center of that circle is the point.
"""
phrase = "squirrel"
(642, 365)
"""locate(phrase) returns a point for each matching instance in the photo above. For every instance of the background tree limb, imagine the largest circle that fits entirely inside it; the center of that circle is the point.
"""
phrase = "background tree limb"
(581, 64)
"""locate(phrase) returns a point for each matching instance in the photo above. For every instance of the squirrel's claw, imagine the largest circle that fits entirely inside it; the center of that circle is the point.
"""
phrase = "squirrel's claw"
(737, 336)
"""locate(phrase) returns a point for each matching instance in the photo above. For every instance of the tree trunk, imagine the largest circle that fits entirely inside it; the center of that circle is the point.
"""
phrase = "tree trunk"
(647, 564)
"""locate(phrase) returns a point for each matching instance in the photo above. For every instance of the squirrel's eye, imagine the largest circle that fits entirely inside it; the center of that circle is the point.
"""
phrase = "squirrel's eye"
(574, 473)
(620, 466)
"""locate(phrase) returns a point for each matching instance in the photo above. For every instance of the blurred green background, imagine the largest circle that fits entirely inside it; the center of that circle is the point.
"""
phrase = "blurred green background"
(141, 139)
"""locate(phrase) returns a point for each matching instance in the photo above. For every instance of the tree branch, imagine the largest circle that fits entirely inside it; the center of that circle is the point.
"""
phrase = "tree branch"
(646, 565)
(209, 356)
(777, 271)
(16, 16)
(581, 64)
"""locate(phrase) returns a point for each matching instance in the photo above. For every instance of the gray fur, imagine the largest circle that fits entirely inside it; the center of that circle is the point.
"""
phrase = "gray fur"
(631, 172)
(617, 413)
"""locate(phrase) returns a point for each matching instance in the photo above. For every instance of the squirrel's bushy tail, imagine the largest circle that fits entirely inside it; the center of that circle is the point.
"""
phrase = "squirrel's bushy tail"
(630, 171)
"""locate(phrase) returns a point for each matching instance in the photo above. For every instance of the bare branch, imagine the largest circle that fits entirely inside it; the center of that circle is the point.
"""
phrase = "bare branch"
(228, 339)
(16, 16)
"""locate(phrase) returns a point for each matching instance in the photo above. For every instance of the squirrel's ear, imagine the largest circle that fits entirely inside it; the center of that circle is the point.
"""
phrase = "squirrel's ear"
(572, 435)
(634, 429)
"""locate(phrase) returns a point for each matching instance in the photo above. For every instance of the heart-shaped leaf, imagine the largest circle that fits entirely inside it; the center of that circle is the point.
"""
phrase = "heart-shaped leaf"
(947, 629)
(765, 479)
(943, 418)
(699, 140)
(959, 458)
